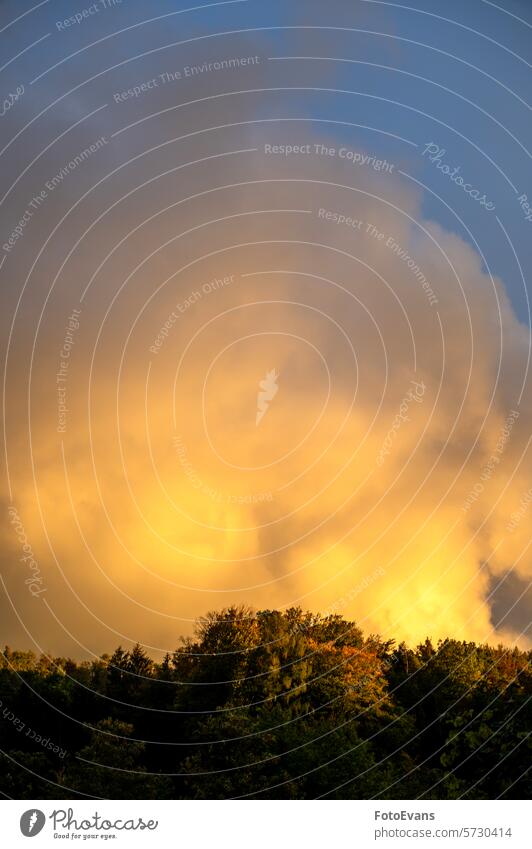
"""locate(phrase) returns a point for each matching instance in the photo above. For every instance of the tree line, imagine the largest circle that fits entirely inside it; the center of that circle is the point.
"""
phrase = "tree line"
(270, 704)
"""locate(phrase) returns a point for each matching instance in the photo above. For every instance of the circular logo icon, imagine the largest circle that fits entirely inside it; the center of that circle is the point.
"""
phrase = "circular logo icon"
(32, 822)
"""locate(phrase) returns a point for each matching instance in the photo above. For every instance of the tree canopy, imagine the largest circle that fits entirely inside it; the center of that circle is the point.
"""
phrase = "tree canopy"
(269, 704)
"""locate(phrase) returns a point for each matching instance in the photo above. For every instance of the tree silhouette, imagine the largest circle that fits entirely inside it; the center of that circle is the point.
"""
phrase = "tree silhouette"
(269, 704)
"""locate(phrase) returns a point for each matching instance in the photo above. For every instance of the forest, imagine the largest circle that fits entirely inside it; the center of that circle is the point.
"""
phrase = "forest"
(271, 705)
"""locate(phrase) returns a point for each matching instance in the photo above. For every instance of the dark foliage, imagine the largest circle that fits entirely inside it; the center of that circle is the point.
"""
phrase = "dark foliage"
(270, 705)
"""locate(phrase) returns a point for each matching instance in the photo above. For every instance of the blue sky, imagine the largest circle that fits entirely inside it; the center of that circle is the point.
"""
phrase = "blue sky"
(459, 83)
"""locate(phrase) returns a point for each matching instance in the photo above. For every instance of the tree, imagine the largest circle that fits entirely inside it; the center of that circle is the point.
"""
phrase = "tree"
(111, 766)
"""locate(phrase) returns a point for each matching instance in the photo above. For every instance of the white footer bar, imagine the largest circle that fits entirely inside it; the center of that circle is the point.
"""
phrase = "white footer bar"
(266, 824)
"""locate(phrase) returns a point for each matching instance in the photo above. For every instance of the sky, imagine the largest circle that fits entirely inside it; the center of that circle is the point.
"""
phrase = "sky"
(265, 321)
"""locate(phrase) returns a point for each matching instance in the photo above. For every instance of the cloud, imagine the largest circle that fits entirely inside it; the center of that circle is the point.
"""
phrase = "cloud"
(389, 459)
